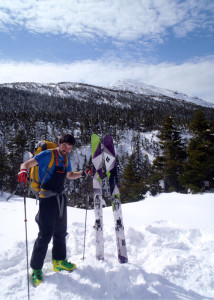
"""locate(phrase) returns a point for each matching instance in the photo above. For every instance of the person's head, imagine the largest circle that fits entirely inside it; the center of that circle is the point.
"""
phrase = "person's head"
(66, 143)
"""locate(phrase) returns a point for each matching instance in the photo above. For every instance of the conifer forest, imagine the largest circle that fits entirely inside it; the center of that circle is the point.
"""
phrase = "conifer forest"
(179, 158)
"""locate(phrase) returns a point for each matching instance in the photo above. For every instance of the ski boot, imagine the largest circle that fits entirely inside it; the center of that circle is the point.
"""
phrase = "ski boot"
(36, 277)
(60, 265)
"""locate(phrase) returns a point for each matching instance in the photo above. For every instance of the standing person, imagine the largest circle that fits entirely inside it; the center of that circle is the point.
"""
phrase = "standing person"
(52, 214)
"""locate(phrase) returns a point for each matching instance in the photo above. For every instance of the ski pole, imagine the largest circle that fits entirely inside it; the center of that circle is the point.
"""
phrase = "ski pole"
(86, 210)
(13, 193)
(26, 240)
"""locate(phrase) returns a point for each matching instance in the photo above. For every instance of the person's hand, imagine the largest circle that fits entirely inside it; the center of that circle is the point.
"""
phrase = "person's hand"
(22, 176)
(87, 171)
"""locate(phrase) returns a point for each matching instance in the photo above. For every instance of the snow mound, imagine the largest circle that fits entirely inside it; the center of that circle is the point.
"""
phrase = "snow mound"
(170, 241)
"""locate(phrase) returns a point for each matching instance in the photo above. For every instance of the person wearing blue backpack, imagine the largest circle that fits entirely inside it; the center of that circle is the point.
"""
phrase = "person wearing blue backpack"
(52, 214)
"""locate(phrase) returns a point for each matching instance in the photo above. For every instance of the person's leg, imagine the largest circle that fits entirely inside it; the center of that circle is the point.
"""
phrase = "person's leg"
(46, 220)
(59, 244)
(60, 232)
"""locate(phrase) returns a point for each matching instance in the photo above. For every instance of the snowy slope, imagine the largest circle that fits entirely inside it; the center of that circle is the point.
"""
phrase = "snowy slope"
(170, 240)
(155, 92)
(62, 89)
(78, 91)
(83, 91)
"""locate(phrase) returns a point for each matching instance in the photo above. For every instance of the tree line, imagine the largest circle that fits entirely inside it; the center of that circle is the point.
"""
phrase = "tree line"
(26, 118)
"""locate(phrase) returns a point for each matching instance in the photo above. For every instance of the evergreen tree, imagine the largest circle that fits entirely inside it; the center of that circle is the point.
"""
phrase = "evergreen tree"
(3, 169)
(199, 168)
(168, 165)
(133, 185)
(17, 147)
(138, 159)
(129, 181)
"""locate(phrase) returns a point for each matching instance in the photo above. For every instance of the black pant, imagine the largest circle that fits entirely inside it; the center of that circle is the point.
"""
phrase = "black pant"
(50, 225)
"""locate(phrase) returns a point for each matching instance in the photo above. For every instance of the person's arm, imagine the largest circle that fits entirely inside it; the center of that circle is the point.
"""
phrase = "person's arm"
(22, 175)
(28, 164)
(74, 174)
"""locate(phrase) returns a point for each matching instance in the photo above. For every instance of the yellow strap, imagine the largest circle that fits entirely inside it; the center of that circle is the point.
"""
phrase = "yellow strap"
(52, 159)
(38, 150)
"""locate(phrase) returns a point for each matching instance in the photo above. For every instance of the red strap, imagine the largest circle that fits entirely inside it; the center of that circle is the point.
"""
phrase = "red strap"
(57, 159)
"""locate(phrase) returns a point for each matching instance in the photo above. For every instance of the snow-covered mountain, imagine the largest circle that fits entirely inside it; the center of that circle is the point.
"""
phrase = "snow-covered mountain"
(156, 92)
(82, 91)
(61, 89)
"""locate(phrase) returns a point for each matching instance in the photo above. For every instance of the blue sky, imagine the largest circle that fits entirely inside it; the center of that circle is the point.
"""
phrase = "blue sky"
(166, 43)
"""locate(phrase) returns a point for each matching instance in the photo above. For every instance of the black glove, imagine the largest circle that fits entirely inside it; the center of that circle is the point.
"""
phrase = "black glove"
(83, 173)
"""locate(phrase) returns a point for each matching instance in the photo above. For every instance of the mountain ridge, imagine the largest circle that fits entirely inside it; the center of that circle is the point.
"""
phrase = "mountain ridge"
(73, 89)
(150, 90)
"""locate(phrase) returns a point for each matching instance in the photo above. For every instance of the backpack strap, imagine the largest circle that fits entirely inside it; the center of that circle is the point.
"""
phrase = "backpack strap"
(57, 159)
(65, 161)
(53, 158)
(50, 165)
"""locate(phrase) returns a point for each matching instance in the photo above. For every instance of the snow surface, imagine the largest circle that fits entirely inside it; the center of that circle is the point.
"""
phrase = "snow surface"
(150, 90)
(170, 242)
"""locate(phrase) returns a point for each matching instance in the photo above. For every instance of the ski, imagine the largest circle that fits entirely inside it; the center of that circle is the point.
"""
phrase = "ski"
(111, 168)
(97, 191)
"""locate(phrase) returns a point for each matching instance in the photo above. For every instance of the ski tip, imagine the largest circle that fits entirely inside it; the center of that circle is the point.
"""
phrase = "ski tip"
(94, 136)
(108, 139)
(95, 144)
(107, 136)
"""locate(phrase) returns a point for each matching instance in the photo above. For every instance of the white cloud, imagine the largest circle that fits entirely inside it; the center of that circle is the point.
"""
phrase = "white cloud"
(122, 20)
(193, 77)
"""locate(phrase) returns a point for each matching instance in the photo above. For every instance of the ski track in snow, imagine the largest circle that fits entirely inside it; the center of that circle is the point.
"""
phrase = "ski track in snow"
(171, 256)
